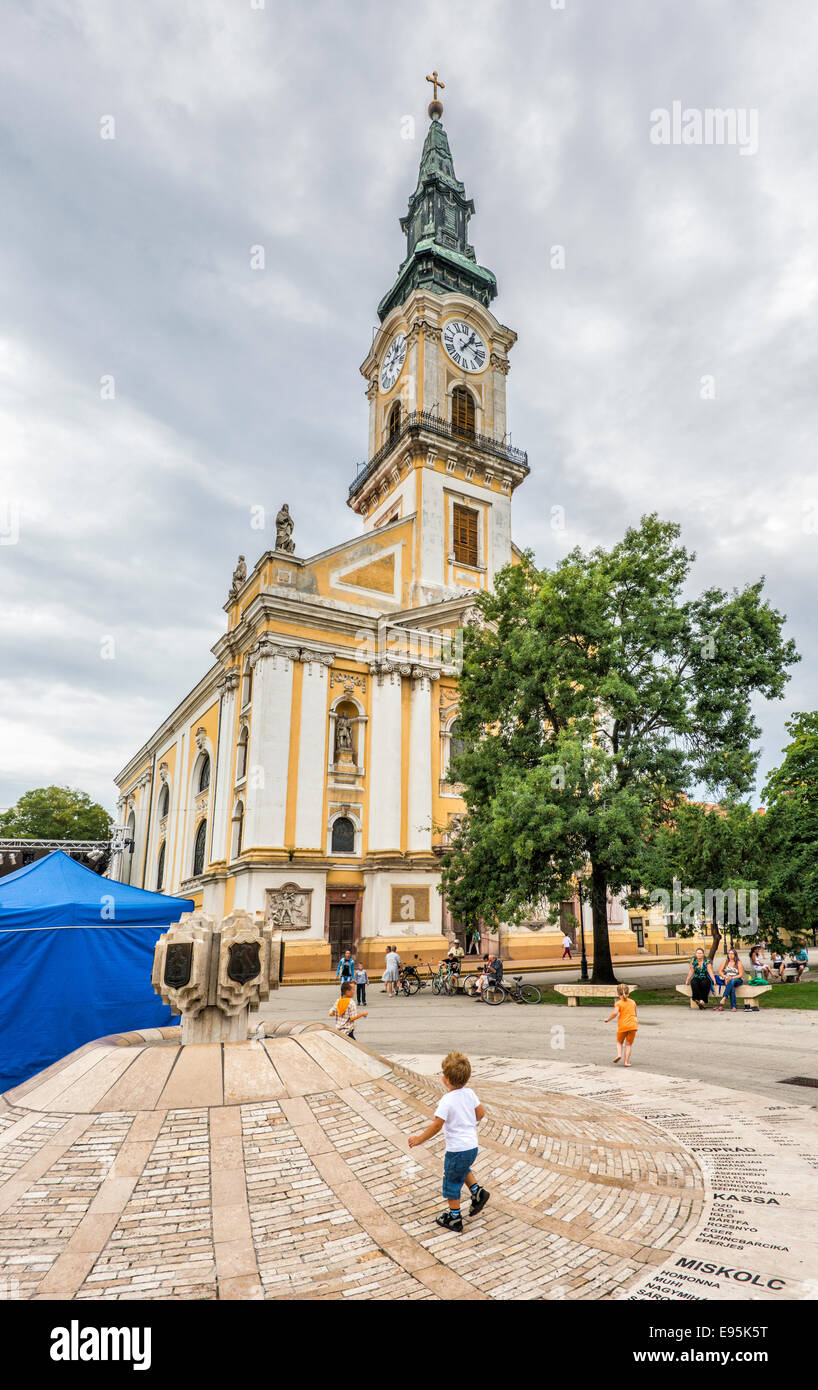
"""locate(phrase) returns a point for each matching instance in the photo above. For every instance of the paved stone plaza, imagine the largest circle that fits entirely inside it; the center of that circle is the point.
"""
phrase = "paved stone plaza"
(278, 1168)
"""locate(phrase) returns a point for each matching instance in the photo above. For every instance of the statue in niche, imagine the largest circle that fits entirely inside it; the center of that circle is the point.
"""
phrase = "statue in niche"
(343, 735)
(284, 530)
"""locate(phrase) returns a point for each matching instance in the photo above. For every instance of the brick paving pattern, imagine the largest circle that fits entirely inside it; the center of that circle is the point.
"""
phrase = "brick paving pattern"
(288, 1176)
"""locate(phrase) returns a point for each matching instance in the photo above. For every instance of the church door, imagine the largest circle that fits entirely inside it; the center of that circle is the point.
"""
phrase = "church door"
(341, 930)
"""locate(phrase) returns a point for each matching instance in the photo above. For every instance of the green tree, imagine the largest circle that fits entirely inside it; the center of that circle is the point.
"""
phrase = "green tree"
(701, 848)
(593, 696)
(789, 893)
(55, 813)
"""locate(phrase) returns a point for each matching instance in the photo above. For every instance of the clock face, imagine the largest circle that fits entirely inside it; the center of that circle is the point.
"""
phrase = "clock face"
(393, 361)
(465, 346)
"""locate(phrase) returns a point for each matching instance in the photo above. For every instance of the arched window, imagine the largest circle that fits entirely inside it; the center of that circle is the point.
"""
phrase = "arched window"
(343, 836)
(463, 412)
(238, 829)
(394, 420)
(456, 742)
(164, 802)
(199, 849)
(160, 868)
(203, 780)
(241, 753)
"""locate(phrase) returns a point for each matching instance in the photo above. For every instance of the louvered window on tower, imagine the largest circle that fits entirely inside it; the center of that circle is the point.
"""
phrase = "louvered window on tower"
(464, 526)
(462, 412)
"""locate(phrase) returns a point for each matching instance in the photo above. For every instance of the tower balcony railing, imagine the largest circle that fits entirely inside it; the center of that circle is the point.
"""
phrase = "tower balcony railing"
(417, 421)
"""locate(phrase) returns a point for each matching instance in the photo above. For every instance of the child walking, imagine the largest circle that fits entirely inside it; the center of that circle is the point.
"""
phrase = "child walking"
(624, 1011)
(345, 1013)
(457, 1115)
(361, 982)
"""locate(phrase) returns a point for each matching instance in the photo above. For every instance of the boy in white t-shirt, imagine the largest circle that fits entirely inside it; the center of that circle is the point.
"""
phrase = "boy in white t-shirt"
(457, 1115)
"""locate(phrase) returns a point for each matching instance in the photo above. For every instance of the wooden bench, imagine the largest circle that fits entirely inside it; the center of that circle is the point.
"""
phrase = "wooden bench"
(573, 993)
(749, 993)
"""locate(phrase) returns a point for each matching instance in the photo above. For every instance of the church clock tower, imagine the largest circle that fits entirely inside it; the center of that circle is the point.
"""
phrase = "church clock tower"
(437, 372)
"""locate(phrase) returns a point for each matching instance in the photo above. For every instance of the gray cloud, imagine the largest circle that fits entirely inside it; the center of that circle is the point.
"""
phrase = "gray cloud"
(282, 127)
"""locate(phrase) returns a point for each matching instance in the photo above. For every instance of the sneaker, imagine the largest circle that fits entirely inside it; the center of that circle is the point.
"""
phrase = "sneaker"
(478, 1201)
(450, 1222)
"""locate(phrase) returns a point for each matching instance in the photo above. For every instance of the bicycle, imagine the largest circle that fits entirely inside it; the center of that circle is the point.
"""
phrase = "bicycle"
(411, 980)
(443, 981)
(523, 994)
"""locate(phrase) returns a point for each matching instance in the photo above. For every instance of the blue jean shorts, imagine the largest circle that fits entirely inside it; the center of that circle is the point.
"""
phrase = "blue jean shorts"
(455, 1167)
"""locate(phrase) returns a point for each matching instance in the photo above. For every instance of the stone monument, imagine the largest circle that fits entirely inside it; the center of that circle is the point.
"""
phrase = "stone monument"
(214, 974)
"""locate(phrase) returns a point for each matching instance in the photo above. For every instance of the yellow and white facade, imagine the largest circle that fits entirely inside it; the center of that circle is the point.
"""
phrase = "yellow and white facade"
(306, 775)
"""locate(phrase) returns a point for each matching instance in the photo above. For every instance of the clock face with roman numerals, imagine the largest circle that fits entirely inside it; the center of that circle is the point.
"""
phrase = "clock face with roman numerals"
(393, 361)
(465, 346)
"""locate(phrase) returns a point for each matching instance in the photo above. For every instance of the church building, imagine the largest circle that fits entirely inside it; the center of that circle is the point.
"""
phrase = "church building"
(307, 774)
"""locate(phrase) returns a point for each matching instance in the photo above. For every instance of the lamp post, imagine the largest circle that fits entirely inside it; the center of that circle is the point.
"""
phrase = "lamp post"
(583, 973)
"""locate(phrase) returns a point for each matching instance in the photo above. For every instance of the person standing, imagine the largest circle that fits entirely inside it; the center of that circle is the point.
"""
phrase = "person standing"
(474, 941)
(346, 968)
(567, 943)
(392, 972)
(624, 1011)
(700, 977)
(361, 982)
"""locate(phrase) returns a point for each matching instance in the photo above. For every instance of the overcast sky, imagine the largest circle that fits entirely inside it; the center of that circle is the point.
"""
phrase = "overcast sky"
(283, 127)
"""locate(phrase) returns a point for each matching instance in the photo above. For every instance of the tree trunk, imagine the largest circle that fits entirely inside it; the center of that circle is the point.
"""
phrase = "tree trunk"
(715, 946)
(603, 965)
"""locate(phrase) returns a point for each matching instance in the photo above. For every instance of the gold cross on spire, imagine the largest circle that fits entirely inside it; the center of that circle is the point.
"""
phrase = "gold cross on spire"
(436, 82)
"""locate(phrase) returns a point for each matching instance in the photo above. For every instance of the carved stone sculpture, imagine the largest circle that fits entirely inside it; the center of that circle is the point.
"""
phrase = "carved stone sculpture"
(288, 907)
(343, 735)
(213, 973)
(284, 531)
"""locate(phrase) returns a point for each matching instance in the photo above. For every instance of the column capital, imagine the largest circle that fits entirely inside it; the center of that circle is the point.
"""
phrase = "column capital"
(228, 682)
(320, 658)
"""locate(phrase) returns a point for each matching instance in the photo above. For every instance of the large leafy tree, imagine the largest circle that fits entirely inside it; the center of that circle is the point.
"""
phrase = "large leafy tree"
(55, 813)
(789, 893)
(593, 696)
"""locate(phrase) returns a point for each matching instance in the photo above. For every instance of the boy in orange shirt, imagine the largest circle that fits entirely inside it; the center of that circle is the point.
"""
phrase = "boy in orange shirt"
(624, 1011)
(345, 1013)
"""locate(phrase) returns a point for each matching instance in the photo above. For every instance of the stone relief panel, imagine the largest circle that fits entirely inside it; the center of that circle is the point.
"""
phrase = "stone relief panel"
(289, 907)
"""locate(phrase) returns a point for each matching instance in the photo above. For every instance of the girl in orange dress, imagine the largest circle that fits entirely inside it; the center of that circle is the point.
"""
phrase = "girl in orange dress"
(624, 1011)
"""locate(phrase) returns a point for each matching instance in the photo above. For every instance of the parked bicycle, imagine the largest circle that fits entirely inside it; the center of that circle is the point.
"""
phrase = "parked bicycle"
(411, 980)
(522, 994)
(497, 994)
(445, 978)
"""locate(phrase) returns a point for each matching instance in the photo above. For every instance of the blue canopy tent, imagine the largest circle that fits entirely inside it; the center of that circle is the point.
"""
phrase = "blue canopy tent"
(76, 952)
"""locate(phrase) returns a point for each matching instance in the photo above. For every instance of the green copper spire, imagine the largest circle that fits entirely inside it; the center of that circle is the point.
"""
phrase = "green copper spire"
(438, 255)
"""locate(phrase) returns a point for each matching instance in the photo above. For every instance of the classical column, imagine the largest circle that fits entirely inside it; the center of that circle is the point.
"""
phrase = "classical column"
(139, 856)
(310, 832)
(266, 807)
(384, 773)
(223, 802)
(118, 858)
(419, 829)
